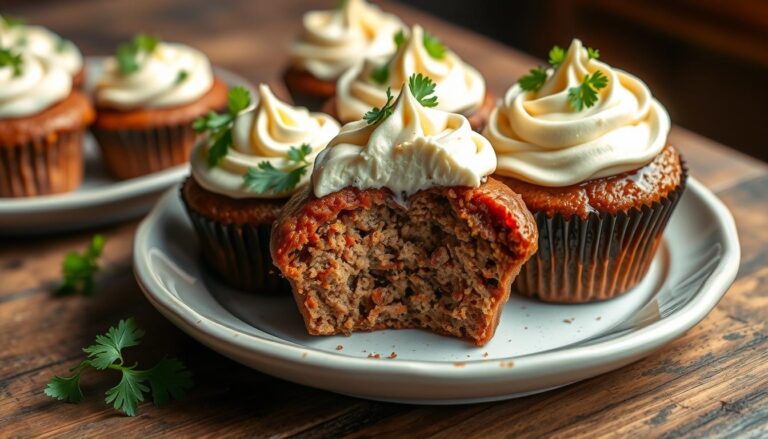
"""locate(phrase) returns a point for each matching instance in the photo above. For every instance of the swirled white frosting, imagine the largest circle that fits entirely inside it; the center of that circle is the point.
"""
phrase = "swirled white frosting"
(333, 41)
(540, 139)
(415, 148)
(42, 42)
(158, 82)
(459, 87)
(263, 133)
(40, 84)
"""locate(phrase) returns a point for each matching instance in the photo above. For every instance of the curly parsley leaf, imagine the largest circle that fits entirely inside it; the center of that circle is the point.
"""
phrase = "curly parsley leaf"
(585, 95)
(422, 87)
(78, 269)
(399, 38)
(533, 81)
(376, 114)
(12, 60)
(593, 53)
(556, 56)
(266, 178)
(127, 55)
(219, 126)
(434, 46)
(169, 378)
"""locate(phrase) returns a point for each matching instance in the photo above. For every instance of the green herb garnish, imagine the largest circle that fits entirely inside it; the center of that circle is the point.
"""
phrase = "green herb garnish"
(167, 379)
(421, 87)
(434, 46)
(380, 74)
(62, 45)
(12, 60)
(593, 53)
(376, 114)
(533, 81)
(556, 56)
(399, 38)
(219, 126)
(13, 21)
(585, 95)
(182, 76)
(78, 269)
(127, 54)
(266, 178)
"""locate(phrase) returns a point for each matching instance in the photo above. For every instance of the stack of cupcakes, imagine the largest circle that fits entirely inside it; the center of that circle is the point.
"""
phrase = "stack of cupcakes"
(253, 159)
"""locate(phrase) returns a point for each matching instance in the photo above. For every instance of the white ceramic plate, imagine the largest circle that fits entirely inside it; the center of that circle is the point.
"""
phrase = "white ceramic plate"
(537, 346)
(99, 199)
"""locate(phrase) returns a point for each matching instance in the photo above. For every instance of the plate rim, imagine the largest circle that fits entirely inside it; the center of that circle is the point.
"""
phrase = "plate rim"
(634, 344)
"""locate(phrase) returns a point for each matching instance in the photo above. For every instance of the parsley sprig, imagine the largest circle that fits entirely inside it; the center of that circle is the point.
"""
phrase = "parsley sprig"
(219, 126)
(128, 53)
(434, 46)
(376, 114)
(266, 178)
(585, 95)
(78, 269)
(421, 87)
(169, 378)
(537, 76)
(399, 38)
(10, 59)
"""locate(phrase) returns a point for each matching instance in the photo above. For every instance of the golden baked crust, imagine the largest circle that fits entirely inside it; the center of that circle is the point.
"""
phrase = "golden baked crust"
(73, 113)
(214, 100)
(230, 210)
(641, 187)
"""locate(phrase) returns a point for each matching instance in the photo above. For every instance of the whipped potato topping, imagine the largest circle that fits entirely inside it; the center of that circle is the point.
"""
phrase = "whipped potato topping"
(333, 41)
(159, 81)
(460, 87)
(265, 132)
(413, 149)
(42, 42)
(39, 84)
(540, 139)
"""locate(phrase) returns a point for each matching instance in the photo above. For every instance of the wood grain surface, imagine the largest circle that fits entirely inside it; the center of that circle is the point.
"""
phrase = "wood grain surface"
(713, 381)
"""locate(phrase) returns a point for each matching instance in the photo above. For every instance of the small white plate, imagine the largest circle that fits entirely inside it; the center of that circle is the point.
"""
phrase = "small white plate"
(100, 199)
(537, 346)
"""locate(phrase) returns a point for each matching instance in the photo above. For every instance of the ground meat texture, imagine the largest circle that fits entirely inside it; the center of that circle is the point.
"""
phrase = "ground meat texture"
(359, 261)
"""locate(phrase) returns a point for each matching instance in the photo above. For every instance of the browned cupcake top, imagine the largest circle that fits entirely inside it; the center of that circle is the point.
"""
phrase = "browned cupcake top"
(72, 113)
(214, 100)
(620, 192)
(230, 210)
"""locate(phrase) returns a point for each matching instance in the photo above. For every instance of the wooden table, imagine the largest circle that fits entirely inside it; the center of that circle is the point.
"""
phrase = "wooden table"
(713, 380)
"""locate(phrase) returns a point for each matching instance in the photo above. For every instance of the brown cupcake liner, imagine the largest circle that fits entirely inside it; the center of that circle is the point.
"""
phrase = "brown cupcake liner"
(238, 254)
(42, 166)
(584, 260)
(131, 153)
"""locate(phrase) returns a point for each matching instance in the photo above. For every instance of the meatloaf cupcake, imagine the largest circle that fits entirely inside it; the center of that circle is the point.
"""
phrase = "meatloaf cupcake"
(42, 122)
(253, 159)
(146, 100)
(401, 228)
(333, 41)
(586, 146)
(460, 88)
(14, 33)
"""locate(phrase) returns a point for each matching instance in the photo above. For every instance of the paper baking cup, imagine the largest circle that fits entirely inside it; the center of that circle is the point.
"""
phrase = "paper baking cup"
(597, 258)
(48, 165)
(132, 153)
(238, 254)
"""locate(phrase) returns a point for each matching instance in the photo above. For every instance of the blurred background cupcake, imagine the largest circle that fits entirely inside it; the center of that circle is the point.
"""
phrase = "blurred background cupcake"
(146, 100)
(16, 34)
(333, 41)
(460, 87)
(586, 146)
(253, 159)
(42, 123)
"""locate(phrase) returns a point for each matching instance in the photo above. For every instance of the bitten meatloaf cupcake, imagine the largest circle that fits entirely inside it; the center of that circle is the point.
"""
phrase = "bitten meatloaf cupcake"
(401, 228)
(460, 88)
(586, 146)
(333, 41)
(16, 34)
(146, 101)
(42, 122)
(253, 159)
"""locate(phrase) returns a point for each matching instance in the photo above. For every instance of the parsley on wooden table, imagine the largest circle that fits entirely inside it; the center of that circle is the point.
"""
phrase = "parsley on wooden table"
(219, 126)
(167, 379)
(78, 269)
